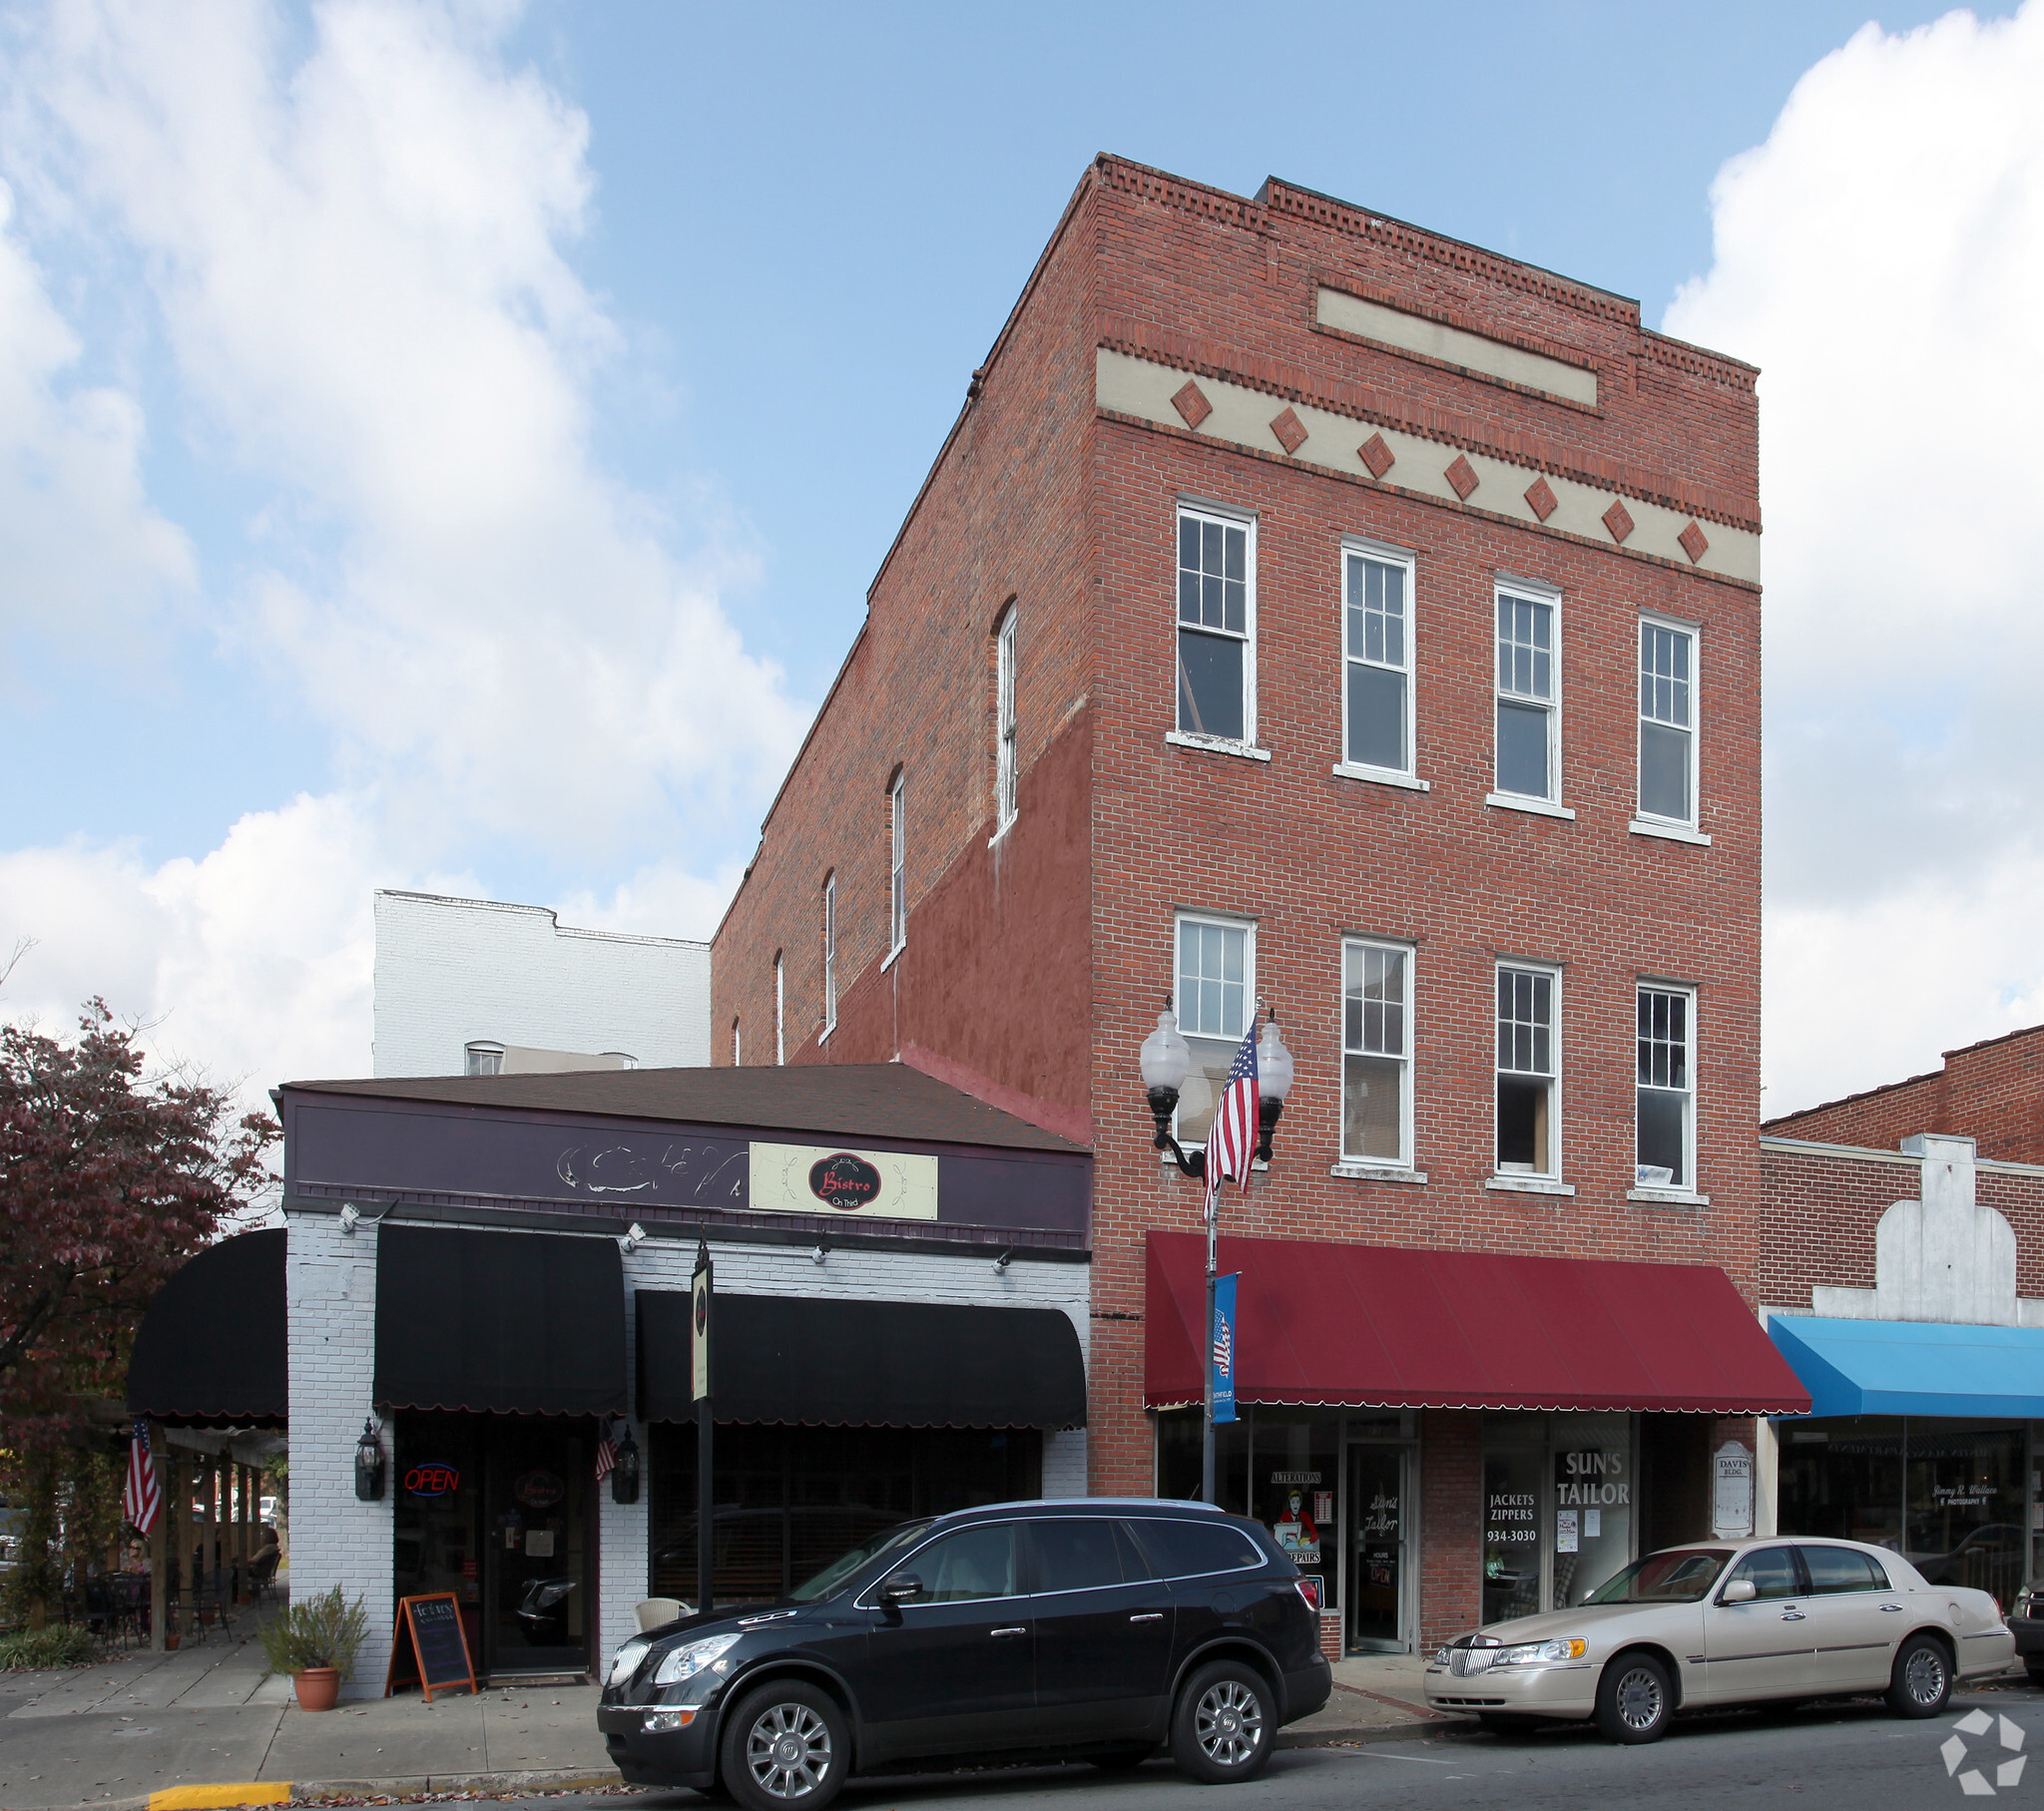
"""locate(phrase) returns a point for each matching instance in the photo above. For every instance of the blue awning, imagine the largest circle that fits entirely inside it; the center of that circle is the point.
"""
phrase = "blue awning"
(1906, 1367)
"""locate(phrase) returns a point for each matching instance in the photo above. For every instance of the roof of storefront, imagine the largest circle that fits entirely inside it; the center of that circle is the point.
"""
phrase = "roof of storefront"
(837, 1100)
(1390, 1326)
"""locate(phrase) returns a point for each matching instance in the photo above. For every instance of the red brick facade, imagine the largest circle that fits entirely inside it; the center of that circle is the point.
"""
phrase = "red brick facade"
(1992, 1092)
(1040, 963)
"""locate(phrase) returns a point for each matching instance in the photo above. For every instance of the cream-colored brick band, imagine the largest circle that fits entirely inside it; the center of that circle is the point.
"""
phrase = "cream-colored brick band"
(1242, 416)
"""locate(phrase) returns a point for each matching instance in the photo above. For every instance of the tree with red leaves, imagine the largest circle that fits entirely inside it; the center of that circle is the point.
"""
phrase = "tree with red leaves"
(109, 1180)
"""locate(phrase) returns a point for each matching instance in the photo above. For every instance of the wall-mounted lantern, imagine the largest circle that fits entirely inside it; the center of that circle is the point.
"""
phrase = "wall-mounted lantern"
(369, 1464)
(625, 1473)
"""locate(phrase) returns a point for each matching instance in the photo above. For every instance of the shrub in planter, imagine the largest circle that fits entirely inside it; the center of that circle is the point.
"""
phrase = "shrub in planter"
(29, 1649)
(317, 1642)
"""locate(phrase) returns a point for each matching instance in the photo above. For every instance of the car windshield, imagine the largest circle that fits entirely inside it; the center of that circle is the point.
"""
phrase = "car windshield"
(1679, 1577)
(813, 1590)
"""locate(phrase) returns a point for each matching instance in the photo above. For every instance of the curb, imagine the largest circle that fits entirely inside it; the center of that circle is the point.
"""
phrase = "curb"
(1363, 1733)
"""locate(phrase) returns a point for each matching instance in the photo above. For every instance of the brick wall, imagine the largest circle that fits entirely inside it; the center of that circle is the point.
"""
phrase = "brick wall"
(1450, 1524)
(1992, 1092)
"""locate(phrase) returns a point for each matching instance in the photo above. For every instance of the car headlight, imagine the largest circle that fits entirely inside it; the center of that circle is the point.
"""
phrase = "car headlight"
(1537, 1654)
(625, 1663)
(685, 1661)
(1444, 1656)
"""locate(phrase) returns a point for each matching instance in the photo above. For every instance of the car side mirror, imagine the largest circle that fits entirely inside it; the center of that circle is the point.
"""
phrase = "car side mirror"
(1739, 1591)
(903, 1587)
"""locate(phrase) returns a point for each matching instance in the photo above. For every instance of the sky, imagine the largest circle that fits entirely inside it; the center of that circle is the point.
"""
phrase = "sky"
(447, 446)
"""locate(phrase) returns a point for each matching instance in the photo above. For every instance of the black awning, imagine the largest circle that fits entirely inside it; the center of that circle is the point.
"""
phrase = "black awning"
(513, 1323)
(812, 1362)
(211, 1350)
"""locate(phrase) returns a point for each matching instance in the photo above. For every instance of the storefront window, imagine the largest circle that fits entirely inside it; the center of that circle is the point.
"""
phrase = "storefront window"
(788, 1500)
(1558, 1504)
(1298, 1463)
(1948, 1495)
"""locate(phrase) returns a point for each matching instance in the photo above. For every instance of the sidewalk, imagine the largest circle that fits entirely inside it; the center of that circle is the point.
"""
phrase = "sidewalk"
(108, 1736)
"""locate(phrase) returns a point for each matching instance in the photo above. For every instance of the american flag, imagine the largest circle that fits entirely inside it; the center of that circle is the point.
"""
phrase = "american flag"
(1231, 1144)
(606, 1457)
(141, 1501)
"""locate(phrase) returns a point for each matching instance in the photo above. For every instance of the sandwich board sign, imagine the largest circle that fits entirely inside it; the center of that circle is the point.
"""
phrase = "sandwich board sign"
(431, 1649)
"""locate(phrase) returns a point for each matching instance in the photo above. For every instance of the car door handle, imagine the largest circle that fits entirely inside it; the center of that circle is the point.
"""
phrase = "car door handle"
(1152, 1616)
(1793, 1616)
(998, 1632)
(1896, 1607)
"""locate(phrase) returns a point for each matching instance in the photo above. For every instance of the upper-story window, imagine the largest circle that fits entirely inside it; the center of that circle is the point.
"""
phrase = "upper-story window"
(1216, 993)
(1217, 625)
(482, 1060)
(1668, 722)
(1377, 645)
(779, 1010)
(1528, 694)
(897, 854)
(830, 955)
(737, 1047)
(1376, 1052)
(1528, 1071)
(1004, 724)
(1666, 1089)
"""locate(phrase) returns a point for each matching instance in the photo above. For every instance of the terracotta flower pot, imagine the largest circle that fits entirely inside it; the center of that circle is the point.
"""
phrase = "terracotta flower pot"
(172, 1639)
(318, 1687)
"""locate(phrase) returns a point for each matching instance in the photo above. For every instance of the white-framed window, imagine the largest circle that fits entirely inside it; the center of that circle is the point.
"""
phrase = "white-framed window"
(1376, 634)
(897, 848)
(1668, 722)
(482, 1060)
(830, 955)
(1376, 1052)
(1666, 1153)
(737, 1047)
(1004, 723)
(1528, 693)
(1216, 625)
(1215, 976)
(1528, 1069)
(779, 1010)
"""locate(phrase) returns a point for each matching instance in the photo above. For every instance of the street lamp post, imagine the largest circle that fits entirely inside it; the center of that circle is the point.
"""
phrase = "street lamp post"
(1166, 1059)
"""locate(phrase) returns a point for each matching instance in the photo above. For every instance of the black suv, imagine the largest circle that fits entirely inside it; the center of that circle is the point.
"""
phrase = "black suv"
(1094, 1628)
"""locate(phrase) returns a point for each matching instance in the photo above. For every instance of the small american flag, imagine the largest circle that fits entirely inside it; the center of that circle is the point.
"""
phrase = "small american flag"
(606, 1457)
(1231, 1144)
(141, 1501)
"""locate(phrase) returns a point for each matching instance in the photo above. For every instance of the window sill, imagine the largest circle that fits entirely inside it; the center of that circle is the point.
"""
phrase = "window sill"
(1380, 1172)
(1528, 1184)
(1539, 807)
(1640, 827)
(1217, 744)
(1381, 776)
(893, 955)
(1669, 1198)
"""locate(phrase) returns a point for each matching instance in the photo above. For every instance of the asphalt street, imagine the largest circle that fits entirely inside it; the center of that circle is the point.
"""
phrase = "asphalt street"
(1852, 1755)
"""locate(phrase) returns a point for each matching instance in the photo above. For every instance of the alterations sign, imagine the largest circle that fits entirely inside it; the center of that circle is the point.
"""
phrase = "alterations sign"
(859, 1184)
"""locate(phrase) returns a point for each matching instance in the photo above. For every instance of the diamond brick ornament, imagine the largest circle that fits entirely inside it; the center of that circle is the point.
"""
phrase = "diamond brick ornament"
(1291, 431)
(1619, 520)
(1462, 475)
(1541, 500)
(1693, 543)
(1191, 404)
(1375, 453)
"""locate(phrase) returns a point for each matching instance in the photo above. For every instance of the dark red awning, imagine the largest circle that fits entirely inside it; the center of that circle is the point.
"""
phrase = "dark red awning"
(1389, 1326)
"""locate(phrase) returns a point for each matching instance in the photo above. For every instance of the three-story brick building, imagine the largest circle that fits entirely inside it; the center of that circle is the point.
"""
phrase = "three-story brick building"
(1310, 610)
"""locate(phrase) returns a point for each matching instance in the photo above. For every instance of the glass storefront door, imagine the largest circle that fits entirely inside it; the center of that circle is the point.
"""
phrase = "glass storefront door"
(1377, 1548)
(536, 1581)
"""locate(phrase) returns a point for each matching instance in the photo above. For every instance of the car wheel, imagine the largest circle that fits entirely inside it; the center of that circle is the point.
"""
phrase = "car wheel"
(785, 1746)
(1121, 1760)
(1923, 1678)
(1634, 1700)
(1224, 1725)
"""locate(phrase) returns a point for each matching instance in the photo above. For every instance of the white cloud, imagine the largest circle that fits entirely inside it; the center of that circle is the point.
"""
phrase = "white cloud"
(1880, 257)
(80, 547)
(253, 963)
(358, 257)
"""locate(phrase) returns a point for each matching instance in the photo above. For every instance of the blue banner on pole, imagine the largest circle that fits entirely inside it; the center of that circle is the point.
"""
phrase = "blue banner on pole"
(1222, 1356)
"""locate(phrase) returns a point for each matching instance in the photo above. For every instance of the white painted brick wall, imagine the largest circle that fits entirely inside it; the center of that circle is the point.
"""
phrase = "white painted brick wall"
(330, 1288)
(449, 971)
(332, 1316)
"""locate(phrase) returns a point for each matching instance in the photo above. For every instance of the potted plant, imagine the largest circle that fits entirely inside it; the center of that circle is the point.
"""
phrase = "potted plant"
(317, 1642)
